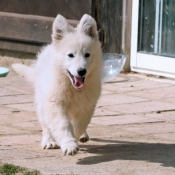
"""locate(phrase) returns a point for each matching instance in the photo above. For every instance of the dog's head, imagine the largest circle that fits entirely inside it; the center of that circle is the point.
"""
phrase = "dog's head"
(78, 48)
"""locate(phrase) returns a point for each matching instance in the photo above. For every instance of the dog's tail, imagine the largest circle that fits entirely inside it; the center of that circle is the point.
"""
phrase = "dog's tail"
(25, 71)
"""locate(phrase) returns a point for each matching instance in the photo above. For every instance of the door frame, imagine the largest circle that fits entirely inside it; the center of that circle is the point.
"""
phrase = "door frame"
(145, 62)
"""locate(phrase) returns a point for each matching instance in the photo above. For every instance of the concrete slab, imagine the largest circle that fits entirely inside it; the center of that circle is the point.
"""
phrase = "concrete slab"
(133, 83)
(142, 107)
(23, 106)
(118, 98)
(123, 119)
(155, 94)
(16, 99)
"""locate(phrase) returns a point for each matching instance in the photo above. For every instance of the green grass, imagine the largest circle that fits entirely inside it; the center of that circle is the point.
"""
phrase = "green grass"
(10, 169)
(30, 173)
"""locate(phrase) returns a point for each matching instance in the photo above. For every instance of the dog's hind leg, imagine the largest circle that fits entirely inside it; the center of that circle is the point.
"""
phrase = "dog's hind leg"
(84, 138)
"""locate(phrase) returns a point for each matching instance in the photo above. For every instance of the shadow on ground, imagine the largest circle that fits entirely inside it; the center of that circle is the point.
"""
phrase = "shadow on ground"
(116, 150)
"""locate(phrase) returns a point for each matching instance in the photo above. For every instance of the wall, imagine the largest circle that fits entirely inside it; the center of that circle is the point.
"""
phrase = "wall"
(114, 17)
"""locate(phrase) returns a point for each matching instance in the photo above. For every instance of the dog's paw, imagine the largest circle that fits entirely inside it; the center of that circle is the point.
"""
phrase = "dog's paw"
(84, 138)
(70, 148)
(48, 142)
(50, 145)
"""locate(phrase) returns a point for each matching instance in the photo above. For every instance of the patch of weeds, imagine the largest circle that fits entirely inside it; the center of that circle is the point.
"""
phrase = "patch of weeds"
(9, 169)
(31, 173)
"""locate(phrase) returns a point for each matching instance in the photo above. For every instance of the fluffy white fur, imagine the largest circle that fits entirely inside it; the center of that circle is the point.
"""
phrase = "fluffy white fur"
(63, 110)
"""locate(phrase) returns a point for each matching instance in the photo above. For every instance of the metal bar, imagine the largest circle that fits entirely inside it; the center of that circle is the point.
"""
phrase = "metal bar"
(141, 25)
(156, 27)
(160, 26)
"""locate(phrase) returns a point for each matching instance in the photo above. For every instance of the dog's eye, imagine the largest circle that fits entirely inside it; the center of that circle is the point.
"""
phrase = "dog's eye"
(87, 55)
(70, 55)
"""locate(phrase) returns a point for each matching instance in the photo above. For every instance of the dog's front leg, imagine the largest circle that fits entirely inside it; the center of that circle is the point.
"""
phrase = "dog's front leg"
(62, 130)
(47, 140)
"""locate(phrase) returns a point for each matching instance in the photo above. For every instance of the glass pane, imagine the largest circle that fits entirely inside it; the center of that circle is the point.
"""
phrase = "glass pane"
(156, 33)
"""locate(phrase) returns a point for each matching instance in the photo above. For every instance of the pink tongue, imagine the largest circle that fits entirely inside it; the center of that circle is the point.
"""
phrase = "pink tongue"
(78, 82)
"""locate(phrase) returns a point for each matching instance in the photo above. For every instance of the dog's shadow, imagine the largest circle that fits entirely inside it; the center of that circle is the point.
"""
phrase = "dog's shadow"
(118, 150)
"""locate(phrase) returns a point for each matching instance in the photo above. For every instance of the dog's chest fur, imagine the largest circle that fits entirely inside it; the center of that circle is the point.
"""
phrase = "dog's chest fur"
(81, 102)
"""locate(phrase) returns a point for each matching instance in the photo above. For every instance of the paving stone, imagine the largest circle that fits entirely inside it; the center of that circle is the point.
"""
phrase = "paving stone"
(142, 107)
(17, 140)
(156, 94)
(105, 91)
(168, 116)
(22, 88)
(171, 99)
(123, 119)
(108, 159)
(15, 99)
(17, 84)
(167, 137)
(4, 110)
(23, 106)
(28, 126)
(7, 92)
(8, 130)
(10, 80)
(103, 111)
(18, 116)
(152, 128)
(115, 99)
(132, 85)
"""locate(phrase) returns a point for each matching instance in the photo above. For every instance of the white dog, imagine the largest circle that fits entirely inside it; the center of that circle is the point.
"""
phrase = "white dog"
(67, 80)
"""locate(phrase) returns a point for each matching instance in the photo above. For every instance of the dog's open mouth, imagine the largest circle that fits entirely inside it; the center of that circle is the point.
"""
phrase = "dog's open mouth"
(78, 82)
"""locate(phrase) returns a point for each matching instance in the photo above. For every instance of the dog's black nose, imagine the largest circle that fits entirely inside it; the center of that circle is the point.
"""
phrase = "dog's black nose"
(81, 71)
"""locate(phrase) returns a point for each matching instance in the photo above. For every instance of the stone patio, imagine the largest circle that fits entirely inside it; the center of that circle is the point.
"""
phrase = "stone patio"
(132, 131)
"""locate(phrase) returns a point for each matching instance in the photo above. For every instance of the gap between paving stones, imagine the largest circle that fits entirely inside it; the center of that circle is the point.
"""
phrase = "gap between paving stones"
(121, 114)
(16, 103)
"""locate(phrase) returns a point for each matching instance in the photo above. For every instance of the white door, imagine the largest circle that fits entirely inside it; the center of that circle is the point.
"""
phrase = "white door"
(153, 37)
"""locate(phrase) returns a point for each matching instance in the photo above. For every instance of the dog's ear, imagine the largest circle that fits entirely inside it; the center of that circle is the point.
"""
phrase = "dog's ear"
(60, 28)
(88, 26)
